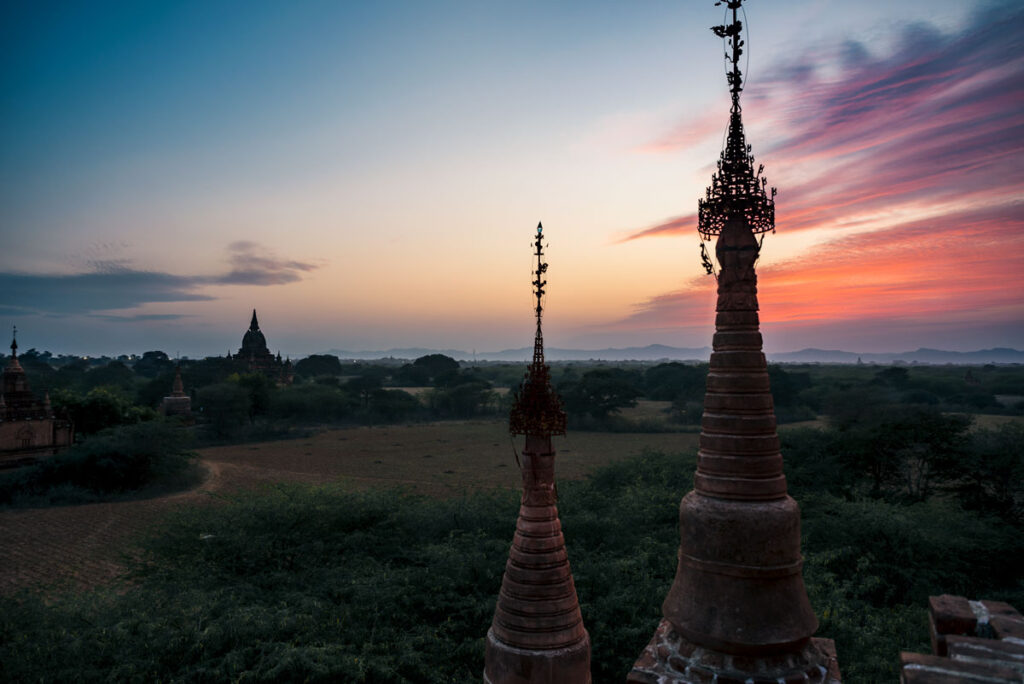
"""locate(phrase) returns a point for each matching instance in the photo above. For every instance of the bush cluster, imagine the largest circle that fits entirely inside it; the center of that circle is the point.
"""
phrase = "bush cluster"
(115, 461)
(298, 583)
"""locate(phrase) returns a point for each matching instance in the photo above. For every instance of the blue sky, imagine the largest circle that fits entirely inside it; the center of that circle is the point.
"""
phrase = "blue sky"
(369, 175)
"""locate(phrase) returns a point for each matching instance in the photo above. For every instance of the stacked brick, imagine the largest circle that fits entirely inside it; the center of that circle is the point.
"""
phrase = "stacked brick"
(537, 634)
(972, 641)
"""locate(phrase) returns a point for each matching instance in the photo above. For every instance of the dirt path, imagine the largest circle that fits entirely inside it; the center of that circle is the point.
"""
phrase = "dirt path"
(85, 546)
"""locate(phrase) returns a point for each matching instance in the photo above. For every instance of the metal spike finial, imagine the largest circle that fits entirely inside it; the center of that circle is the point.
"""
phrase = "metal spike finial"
(542, 268)
(732, 32)
(537, 410)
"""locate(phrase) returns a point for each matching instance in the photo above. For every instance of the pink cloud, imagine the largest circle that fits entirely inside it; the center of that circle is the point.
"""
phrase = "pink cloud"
(934, 128)
(957, 270)
(941, 118)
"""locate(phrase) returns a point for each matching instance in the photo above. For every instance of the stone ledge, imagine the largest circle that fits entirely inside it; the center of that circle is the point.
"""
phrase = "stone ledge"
(671, 659)
(918, 668)
(983, 639)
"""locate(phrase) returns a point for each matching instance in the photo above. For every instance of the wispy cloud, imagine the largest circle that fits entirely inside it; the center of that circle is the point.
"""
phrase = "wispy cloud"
(911, 160)
(960, 270)
(116, 285)
(845, 133)
(140, 317)
(251, 264)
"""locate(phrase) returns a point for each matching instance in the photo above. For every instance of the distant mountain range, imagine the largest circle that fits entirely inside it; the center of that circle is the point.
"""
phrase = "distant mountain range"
(660, 352)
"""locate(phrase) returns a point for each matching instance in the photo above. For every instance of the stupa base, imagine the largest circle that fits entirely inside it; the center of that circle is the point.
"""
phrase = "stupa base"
(671, 659)
(510, 665)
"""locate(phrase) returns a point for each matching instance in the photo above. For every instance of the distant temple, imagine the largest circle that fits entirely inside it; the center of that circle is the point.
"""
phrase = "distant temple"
(28, 427)
(257, 358)
(177, 403)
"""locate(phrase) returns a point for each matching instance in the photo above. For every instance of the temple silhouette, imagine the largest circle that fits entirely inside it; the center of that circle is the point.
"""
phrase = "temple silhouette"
(254, 356)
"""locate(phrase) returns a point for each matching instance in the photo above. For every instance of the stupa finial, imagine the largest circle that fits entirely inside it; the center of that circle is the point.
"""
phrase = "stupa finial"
(14, 342)
(737, 190)
(537, 410)
(732, 32)
(538, 290)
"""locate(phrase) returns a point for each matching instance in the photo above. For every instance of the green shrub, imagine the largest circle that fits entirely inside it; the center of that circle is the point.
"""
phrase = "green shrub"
(298, 583)
(116, 460)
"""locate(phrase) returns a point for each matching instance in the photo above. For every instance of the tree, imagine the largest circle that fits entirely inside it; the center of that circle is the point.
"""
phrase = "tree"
(100, 408)
(463, 400)
(257, 387)
(787, 385)
(152, 364)
(993, 471)
(675, 381)
(601, 392)
(436, 364)
(394, 404)
(224, 405)
(902, 448)
(410, 375)
(364, 386)
(317, 365)
(114, 374)
(313, 402)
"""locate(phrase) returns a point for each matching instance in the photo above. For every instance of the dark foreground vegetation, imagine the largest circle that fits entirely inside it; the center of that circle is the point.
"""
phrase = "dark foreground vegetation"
(138, 459)
(903, 495)
(296, 583)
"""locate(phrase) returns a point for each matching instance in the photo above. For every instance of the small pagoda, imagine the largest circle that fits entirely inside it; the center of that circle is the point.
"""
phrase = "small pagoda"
(29, 427)
(537, 635)
(177, 403)
(738, 610)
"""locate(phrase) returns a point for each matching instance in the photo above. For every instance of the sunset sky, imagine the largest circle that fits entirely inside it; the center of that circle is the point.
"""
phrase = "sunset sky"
(369, 175)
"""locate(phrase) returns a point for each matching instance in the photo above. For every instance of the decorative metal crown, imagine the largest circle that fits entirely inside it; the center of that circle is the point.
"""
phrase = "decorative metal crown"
(736, 190)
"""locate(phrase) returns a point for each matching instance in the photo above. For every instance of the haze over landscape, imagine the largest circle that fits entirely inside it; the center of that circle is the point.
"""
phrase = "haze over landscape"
(368, 176)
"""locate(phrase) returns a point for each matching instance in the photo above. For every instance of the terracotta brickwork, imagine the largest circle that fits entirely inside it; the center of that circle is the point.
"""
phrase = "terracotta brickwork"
(29, 429)
(737, 610)
(177, 403)
(972, 641)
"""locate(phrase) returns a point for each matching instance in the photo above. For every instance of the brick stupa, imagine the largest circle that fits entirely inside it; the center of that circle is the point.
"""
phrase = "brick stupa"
(537, 635)
(177, 403)
(737, 610)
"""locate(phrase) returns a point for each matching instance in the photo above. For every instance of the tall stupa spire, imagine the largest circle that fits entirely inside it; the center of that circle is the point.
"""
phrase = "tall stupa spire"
(738, 609)
(537, 635)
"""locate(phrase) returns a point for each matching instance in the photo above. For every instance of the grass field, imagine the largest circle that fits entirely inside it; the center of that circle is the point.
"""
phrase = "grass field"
(84, 546)
(439, 459)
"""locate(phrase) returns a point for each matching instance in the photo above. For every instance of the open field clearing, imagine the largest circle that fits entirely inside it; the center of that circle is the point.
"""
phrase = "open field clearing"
(443, 459)
(84, 546)
(994, 421)
(647, 409)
